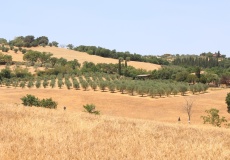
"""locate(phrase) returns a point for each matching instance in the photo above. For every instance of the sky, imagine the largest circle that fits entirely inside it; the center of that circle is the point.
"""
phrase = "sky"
(147, 27)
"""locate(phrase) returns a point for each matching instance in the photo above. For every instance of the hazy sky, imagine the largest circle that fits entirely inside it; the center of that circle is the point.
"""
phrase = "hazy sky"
(139, 26)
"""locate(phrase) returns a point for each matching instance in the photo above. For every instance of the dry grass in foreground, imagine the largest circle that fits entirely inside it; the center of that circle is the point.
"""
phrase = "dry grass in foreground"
(37, 133)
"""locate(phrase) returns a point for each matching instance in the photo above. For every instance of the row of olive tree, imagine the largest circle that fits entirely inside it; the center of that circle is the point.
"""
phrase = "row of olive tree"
(112, 83)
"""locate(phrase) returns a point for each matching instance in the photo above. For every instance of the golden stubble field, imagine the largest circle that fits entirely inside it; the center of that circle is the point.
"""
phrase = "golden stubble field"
(165, 109)
(38, 133)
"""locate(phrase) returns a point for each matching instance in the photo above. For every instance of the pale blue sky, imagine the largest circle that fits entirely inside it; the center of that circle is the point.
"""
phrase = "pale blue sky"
(142, 26)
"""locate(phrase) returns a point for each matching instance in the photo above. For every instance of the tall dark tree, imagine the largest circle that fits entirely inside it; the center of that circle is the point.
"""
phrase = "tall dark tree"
(119, 65)
(198, 72)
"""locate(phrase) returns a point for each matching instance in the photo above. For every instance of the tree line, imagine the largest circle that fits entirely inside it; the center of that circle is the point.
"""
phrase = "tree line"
(103, 52)
(202, 61)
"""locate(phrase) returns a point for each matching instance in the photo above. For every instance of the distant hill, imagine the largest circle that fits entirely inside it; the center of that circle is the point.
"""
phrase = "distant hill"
(81, 57)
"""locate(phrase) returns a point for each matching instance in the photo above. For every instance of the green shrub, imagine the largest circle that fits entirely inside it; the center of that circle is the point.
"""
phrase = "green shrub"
(24, 51)
(90, 108)
(48, 103)
(15, 50)
(5, 49)
(30, 100)
(213, 118)
(22, 84)
(11, 47)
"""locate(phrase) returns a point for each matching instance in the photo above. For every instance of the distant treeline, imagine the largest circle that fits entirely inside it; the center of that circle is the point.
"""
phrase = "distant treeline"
(103, 52)
(204, 62)
(29, 41)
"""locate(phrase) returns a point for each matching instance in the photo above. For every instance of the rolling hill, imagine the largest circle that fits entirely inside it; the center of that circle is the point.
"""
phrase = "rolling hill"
(81, 57)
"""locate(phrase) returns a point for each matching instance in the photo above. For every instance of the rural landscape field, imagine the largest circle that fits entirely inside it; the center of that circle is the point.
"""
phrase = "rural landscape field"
(142, 103)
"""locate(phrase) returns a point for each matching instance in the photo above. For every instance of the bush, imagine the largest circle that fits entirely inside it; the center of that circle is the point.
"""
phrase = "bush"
(11, 47)
(24, 51)
(90, 108)
(30, 100)
(213, 118)
(48, 103)
(5, 49)
(15, 50)
(22, 84)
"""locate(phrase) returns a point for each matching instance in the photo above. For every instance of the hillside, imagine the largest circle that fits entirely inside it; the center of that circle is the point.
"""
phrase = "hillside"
(82, 57)
(36, 133)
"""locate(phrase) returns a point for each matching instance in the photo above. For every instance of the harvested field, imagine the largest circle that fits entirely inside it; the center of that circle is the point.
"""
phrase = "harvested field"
(165, 109)
(38, 133)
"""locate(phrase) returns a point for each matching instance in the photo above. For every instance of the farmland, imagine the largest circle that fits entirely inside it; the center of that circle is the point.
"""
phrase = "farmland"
(138, 113)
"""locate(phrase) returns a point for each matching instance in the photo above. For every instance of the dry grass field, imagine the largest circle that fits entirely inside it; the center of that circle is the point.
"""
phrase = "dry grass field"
(38, 133)
(129, 127)
(165, 109)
